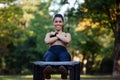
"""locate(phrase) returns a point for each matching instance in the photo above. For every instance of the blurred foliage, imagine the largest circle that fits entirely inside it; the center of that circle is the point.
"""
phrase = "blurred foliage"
(9, 29)
(93, 22)
(102, 14)
(23, 28)
(25, 47)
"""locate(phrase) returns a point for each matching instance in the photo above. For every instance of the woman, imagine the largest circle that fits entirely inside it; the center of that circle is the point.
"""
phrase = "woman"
(58, 41)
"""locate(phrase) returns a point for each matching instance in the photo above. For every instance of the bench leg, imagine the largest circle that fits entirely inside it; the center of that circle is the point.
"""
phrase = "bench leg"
(72, 76)
(38, 73)
(77, 72)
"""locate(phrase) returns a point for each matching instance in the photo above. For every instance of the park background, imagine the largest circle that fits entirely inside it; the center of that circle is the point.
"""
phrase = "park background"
(93, 24)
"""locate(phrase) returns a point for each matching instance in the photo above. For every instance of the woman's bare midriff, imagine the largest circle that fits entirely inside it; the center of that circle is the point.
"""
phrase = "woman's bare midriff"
(58, 43)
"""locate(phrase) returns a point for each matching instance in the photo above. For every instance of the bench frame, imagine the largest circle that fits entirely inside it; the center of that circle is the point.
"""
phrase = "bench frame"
(72, 66)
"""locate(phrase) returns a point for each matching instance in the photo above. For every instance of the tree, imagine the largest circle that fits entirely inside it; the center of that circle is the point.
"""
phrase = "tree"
(9, 28)
(108, 15)
(116, 29)
(33, 47)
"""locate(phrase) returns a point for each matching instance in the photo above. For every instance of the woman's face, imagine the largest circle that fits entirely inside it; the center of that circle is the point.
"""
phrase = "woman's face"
(58, 23)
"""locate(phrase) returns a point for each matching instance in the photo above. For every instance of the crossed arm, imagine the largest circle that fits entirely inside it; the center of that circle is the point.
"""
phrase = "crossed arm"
(65, 37)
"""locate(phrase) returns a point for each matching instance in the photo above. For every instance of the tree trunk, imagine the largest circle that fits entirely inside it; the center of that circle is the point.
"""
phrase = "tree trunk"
(116, 66)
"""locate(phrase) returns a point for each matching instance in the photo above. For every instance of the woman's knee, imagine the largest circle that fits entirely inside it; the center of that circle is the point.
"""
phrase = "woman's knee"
(65, 57)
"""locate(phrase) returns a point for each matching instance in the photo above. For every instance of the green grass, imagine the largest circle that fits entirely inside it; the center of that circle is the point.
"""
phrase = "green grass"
(16, 77)
(30, 77)
(96, 76)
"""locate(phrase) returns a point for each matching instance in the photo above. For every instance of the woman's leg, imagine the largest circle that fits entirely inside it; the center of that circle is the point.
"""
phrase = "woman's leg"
(48, 56)
(64, 56)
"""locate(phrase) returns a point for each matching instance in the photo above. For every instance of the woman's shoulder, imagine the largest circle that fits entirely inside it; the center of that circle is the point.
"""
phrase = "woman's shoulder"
(67, 33)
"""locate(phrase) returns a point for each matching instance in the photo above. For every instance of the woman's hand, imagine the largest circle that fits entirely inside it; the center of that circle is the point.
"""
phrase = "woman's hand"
(60, 35)
(50, 38)
(52, 33)
(65, 37)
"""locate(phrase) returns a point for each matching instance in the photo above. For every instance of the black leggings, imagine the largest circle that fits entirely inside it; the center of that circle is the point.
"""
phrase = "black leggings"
(57, 53)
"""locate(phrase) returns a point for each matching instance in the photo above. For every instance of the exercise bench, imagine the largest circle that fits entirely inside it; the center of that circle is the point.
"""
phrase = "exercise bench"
(72, 66)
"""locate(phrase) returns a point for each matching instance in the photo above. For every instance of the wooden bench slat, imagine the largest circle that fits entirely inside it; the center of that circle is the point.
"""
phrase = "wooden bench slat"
(56, 63)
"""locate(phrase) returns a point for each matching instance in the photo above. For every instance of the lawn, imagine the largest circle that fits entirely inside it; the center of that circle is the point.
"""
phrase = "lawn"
(16, 77)
(57, 77)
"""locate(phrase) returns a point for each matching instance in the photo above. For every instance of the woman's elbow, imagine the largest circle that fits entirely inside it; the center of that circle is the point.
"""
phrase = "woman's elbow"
(46, 41)
(68, 41)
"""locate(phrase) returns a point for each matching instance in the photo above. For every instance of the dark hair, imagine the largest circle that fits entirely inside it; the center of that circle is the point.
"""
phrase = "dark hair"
(58, 15)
